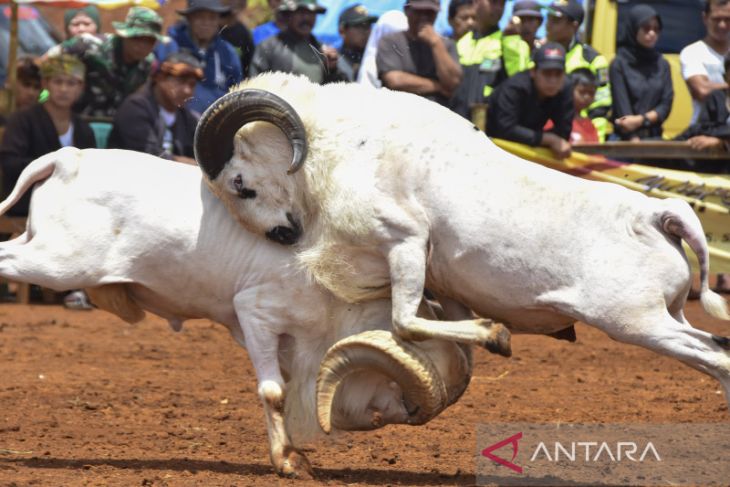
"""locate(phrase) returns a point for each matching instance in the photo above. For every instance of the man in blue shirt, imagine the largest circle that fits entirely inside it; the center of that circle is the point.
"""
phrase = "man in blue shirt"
(273, 27)
(200, 35)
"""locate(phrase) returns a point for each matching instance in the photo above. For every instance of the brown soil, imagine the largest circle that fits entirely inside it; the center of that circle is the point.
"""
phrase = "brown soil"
(86, 399)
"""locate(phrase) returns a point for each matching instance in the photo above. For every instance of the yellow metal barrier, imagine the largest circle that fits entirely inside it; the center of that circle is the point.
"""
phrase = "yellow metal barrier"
(709, 194)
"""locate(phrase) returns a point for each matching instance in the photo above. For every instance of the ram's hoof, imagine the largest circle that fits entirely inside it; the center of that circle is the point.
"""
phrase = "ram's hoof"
(724, 342)
(294, 465)
(499, 339)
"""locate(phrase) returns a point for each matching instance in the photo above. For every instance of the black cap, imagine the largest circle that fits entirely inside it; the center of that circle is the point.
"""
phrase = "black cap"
(527, 8)
(550, 55)
(433, 5)
(294, 5)
(356, 15)
(209, 5)
(567, 8)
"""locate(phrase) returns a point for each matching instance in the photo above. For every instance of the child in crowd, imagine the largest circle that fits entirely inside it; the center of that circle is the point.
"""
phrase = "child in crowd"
(584, 93)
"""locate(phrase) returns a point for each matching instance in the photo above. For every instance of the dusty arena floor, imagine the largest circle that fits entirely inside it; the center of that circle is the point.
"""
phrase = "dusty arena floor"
(86, 399)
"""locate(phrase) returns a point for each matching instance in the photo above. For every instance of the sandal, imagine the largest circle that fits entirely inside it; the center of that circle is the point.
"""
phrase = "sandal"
(77, 300)
(722, 286)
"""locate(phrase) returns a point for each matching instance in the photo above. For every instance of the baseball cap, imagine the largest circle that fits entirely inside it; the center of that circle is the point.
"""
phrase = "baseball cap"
(567, 8)
(356, 15)
(424, 5)
(205, 5)
(293, 5)
(550, 55)
(527, 8)
(140, 22)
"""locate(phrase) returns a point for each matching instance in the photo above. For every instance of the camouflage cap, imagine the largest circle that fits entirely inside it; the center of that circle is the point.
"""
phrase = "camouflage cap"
(293, 5)
(140, 22)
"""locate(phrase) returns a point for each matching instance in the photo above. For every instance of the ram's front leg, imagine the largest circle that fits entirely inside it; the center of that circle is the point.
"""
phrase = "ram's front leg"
(262, 345)
(407, 261)
(288, 461)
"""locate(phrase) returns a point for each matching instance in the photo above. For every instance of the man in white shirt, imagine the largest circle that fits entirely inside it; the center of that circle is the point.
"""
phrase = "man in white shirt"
(703, 69)
(703, 61)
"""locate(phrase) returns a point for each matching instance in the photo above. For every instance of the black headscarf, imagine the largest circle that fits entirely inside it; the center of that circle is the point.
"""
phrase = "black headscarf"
(629, 47)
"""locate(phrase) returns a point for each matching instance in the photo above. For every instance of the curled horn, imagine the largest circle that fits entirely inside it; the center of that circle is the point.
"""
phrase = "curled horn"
(424, 392)
(220, 122)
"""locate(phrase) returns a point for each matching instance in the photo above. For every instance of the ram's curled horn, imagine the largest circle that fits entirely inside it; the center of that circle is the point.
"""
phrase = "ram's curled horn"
(425, 394)
(217, 127)
(460, 372)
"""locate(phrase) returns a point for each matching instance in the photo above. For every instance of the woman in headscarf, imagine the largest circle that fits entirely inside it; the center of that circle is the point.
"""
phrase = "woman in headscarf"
(84, 20)
(78, 22)
(641, 83)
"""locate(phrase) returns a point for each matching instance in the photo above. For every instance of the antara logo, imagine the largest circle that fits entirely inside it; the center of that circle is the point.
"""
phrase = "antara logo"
(593, 452)
(513, 440)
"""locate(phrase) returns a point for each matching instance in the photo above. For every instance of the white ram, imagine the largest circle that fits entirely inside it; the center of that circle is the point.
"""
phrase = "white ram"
(396, 192)
(146, 234)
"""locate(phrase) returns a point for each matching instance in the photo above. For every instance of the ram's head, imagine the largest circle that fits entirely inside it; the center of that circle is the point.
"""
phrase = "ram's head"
(419, 381)
(249, 143)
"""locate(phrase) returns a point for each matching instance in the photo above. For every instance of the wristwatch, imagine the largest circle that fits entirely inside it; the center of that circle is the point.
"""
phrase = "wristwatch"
(646, 123)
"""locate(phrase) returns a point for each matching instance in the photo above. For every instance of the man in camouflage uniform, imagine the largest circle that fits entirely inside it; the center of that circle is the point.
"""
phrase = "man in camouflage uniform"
(118, 65)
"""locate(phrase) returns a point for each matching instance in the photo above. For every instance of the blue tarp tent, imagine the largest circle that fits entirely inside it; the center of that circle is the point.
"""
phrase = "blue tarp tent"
(326, 27)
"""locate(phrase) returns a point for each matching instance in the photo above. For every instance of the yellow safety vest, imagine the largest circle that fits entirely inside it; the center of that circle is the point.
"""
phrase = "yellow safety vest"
(497, 56)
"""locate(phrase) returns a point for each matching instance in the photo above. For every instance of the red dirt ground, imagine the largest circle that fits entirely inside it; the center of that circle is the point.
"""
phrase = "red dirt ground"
(86, 399)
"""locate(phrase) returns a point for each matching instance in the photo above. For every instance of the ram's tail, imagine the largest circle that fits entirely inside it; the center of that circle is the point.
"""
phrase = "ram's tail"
(36, 171)
(682, 222)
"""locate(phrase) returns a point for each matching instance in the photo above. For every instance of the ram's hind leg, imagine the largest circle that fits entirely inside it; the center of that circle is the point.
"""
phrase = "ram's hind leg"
(664, 334)
(407, 261)
(24, 261)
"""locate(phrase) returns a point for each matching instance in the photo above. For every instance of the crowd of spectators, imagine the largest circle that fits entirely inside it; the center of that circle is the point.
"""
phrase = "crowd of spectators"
(143, 86)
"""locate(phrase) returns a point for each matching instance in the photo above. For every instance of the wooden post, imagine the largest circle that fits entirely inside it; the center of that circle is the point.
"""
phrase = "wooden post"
(12, 74)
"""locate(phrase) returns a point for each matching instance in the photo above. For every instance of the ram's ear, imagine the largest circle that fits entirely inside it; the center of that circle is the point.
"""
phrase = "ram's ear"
(262, 143)
(242, 144)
